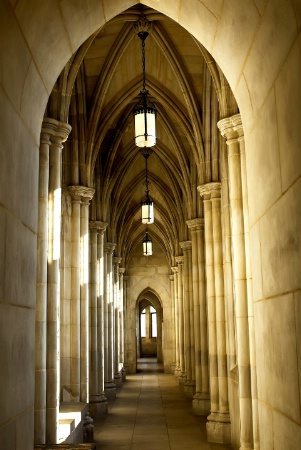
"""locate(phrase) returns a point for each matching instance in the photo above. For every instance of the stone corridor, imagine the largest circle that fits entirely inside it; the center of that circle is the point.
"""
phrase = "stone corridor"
(150, 413)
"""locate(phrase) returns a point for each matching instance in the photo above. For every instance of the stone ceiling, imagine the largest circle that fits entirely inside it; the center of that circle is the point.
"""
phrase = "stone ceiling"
(106, 78)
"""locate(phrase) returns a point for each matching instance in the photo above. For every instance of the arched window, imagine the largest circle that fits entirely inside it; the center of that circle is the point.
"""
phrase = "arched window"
(153, 314)
(142, 324)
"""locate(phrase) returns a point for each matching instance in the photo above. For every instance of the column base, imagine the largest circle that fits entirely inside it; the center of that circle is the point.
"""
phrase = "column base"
(189, 389)
(118, 379)
(177, 372)
(219, 428)
(182, 380)
(123, 374)
(201, 404)
(110, 389)
(98, 405)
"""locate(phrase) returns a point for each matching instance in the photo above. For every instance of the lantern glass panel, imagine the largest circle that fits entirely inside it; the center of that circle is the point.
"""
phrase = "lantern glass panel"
(147, 212)
(141, 118)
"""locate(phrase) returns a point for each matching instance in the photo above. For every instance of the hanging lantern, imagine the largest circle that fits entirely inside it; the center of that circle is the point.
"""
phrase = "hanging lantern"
(144, 111)
(147, 204)
(147, 245)
(147, 210)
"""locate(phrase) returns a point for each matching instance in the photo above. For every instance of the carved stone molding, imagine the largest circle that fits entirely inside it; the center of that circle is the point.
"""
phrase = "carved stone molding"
(142, 25)
(117, 260)
(195, 224)
(80, 193)
(109, 247)
(55, 130)
(210, 190)
(179, 259)
(97, 225)
(186, 245)
(231, 127)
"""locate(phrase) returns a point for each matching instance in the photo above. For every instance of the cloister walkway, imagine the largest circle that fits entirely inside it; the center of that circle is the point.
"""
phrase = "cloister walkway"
(150, 413)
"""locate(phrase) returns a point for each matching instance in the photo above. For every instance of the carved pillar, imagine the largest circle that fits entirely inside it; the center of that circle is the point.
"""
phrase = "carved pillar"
(54, 133)
(86, 197)
(127, 336)
(177, 370)
(100, 317)
(75, 194)
(79, 352)
(172, 325)
(121, 321)
(189, 387)
(182, 370)
(49, 129)
(94, 391)
(218, 426)
(201, 400)
(116, 322)
(231, 128)
(110, 387)
(98, 401)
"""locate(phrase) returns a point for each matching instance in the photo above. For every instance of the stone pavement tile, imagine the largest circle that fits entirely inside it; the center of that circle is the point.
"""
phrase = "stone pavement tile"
(151, 413)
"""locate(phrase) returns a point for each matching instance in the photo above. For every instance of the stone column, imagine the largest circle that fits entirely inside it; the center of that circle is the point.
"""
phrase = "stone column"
(94, 391)
(87, 195)
(116, 322)
(201, 399)
(110, 387)
(75, 310)
(98, 401)
(228, 279)
(126, 334)
(121, 321)
(189, 387)
(177, 371)
(103, 406)
(41, 305)
(182, 370)
(172, 331)
(231, 129)
(218, 426)
(61, 132)
(256, 437)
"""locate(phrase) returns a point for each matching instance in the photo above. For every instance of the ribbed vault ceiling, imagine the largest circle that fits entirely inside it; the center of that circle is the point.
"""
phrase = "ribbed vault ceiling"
(97, 92)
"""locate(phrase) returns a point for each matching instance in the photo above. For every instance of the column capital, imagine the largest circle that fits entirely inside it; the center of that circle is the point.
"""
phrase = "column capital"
(56, 130)
(117, 260)
(121, 270)
(109, 247)
(97, 225)
(195, 224)
(210, 190)
(80, 192)
(175, 269)
(231, 127)
(186, 245)
(179, 259)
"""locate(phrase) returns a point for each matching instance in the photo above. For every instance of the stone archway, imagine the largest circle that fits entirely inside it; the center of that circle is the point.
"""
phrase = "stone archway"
(148, 298)
(258, 48)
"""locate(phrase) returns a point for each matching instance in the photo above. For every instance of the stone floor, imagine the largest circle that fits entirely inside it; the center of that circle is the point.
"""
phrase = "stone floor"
(150, 413)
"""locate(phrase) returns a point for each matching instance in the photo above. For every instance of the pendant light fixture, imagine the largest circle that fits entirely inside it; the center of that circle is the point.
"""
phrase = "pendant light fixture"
(147, 244)
(144, 111)
(147, 204)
